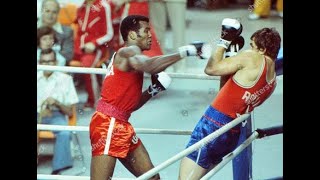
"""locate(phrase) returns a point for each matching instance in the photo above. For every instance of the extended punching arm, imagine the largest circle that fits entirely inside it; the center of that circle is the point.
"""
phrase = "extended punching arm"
(157, 64)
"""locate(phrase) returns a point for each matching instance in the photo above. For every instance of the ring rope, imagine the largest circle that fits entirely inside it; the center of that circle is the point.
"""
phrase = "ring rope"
(259, 133)
(230, 156)
(63, 177)
(194, 147)
(105, 71)
(137, 130)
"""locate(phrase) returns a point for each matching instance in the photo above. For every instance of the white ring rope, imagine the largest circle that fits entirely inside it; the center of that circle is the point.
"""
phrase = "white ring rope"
(230, 156)
(137, 130)
(63, 177)
(104, 71)
(72, 69)
(194, 147)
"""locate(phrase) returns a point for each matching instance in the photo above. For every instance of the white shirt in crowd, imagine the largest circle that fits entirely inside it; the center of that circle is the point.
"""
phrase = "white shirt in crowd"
(59, 86)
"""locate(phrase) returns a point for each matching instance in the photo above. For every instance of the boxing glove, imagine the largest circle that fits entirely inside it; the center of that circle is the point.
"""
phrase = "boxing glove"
(159, 82)
(204, 50)
(231, 29)
(188, 50)
(235, 46)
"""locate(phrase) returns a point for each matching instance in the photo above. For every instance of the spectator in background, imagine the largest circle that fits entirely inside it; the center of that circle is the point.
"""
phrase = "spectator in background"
(56, 97)
(49, 15)
(138, 7)
(46, 39)
(209, 4)
(262, 8)
(175, 11)
(94, 32)
(117, 9)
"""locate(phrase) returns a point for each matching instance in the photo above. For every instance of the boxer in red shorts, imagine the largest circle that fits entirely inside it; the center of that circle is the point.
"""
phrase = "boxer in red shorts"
(111, 135)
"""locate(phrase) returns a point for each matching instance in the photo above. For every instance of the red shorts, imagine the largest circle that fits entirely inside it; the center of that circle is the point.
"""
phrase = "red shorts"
(110, 136)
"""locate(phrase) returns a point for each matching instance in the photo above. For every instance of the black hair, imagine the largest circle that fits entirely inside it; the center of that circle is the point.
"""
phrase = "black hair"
(131, 23)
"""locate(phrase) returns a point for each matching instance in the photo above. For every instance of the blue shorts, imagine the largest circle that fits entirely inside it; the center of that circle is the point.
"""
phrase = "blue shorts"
(213, 152)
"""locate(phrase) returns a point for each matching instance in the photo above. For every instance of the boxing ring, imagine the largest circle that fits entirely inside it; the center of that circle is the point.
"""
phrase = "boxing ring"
(257, 134)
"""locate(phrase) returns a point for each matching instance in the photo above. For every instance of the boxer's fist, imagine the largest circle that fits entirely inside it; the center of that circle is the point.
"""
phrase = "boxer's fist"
(199, 46)
(235, 46)
(159, 82)
(231, 29)
(188, 50)
(204, 50)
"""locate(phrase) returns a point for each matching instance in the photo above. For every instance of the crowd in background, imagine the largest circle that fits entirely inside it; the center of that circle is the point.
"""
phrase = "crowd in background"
(87, 34)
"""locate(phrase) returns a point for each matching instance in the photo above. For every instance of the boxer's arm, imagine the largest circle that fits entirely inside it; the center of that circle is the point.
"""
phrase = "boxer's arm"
(129, 51)
(219, 66)
(144, 98)
(232, 50)
(152, 65)
(159, 82)
(157, 64)
(230, 32)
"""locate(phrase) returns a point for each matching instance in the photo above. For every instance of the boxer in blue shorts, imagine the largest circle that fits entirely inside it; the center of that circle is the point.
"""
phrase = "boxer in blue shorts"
(213, 152)
(252, 80)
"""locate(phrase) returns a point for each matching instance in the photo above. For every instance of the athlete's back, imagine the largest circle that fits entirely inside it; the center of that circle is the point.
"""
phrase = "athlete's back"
(248, 87)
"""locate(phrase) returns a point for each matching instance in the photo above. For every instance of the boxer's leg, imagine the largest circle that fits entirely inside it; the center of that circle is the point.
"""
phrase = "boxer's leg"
(138, 162)
(102, 167)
